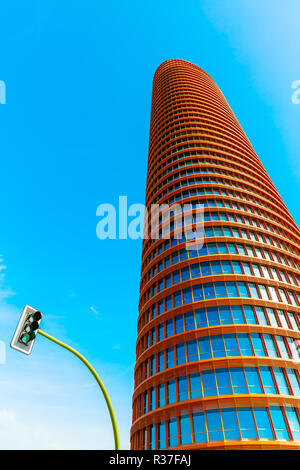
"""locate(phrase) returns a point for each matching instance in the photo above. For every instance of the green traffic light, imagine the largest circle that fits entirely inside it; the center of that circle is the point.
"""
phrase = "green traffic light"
(25, 339)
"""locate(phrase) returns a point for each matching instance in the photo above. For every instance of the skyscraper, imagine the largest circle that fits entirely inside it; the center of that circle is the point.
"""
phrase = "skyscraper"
(216, 354)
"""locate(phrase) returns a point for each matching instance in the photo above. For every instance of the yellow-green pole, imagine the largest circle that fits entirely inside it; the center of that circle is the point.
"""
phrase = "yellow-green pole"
(99, 381)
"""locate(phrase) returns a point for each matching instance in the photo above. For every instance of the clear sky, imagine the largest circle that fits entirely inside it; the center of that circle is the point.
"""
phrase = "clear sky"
(73, 135)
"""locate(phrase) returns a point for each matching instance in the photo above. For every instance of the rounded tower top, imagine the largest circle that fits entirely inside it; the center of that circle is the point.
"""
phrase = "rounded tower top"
(174, 63)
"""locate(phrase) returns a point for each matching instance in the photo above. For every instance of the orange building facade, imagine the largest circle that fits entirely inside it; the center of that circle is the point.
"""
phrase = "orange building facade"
(217, 361)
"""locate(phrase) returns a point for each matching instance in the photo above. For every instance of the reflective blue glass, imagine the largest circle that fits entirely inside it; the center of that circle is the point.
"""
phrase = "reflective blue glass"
(214, 425)
(183, 393)
(230, 424)
(199, 427)
(247, 425)
(267, 379)
(293, 420)
(231, 289)
(213, 316)
(204, 348)
(189, 320)
(192, 350)
(209, 383)
(237, 314)
(179, 324)
(281, 381)
(218, 348)
(225, 315)
(253, 380)
(170, 357)
(185, 429)
(195, 385)
(249, 314)
(180, 353)
(172, 433)
(171, 392)
(263, 423)
(257, 344)
(292, 375)
(201, 319)
(223, 381)
(279, 422)
(220, 289)
(231, 345)
(238, 380)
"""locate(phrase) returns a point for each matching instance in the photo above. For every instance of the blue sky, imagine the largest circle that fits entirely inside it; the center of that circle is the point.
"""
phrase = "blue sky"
(74, 134)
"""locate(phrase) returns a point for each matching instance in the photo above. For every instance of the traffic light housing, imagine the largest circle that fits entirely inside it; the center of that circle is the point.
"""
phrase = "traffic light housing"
(26, 330)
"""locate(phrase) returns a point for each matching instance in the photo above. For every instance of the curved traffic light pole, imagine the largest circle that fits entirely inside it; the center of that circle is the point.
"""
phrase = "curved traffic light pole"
(99, 381)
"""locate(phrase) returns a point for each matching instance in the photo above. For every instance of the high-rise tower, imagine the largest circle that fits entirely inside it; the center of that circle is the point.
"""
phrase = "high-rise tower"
(216, 354)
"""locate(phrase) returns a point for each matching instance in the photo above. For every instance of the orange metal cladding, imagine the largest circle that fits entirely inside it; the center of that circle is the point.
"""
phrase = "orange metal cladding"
(198, 152)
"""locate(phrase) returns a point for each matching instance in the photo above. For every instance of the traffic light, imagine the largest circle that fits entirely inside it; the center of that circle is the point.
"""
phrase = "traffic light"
(26, 330)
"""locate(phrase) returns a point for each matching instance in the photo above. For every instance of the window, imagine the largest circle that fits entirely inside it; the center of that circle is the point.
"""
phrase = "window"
(262, 319)
(281, 381)
(263, 423)
(237, 314)
(185, 430)
(282, 347)
(225, 315)
(217, 343)
(195, 385)
(197, 293)
(216, 267)
(161, 395)
(213, 316)
(220, 289)
(161, 435)
(231, 345)
(201, 320)
(183, 388)
(230, 424)
(223, 381)
(187, 295)
(204, 348)
(293, 420)
(237, 267)
(170, 357)
(209, 383)
(171, 392)
(177, 299)
(244, 343)
(199, 427)
(214, 425)
(172, 433)
(209, 291)
(247, 425)
(151, 437)
(179, 324)
(253, 380)
(272, 317)
(238, 380)
(279, 422)
(269, 342)
(180, 353)
(253, 290)
(192, 351)
(169, 328)
(249, 314)
(226, 266)
(231, 289)
(264, 293)
(267, 379)
(161, 361)
(189, 321)
(292, 375)
(243, 291)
